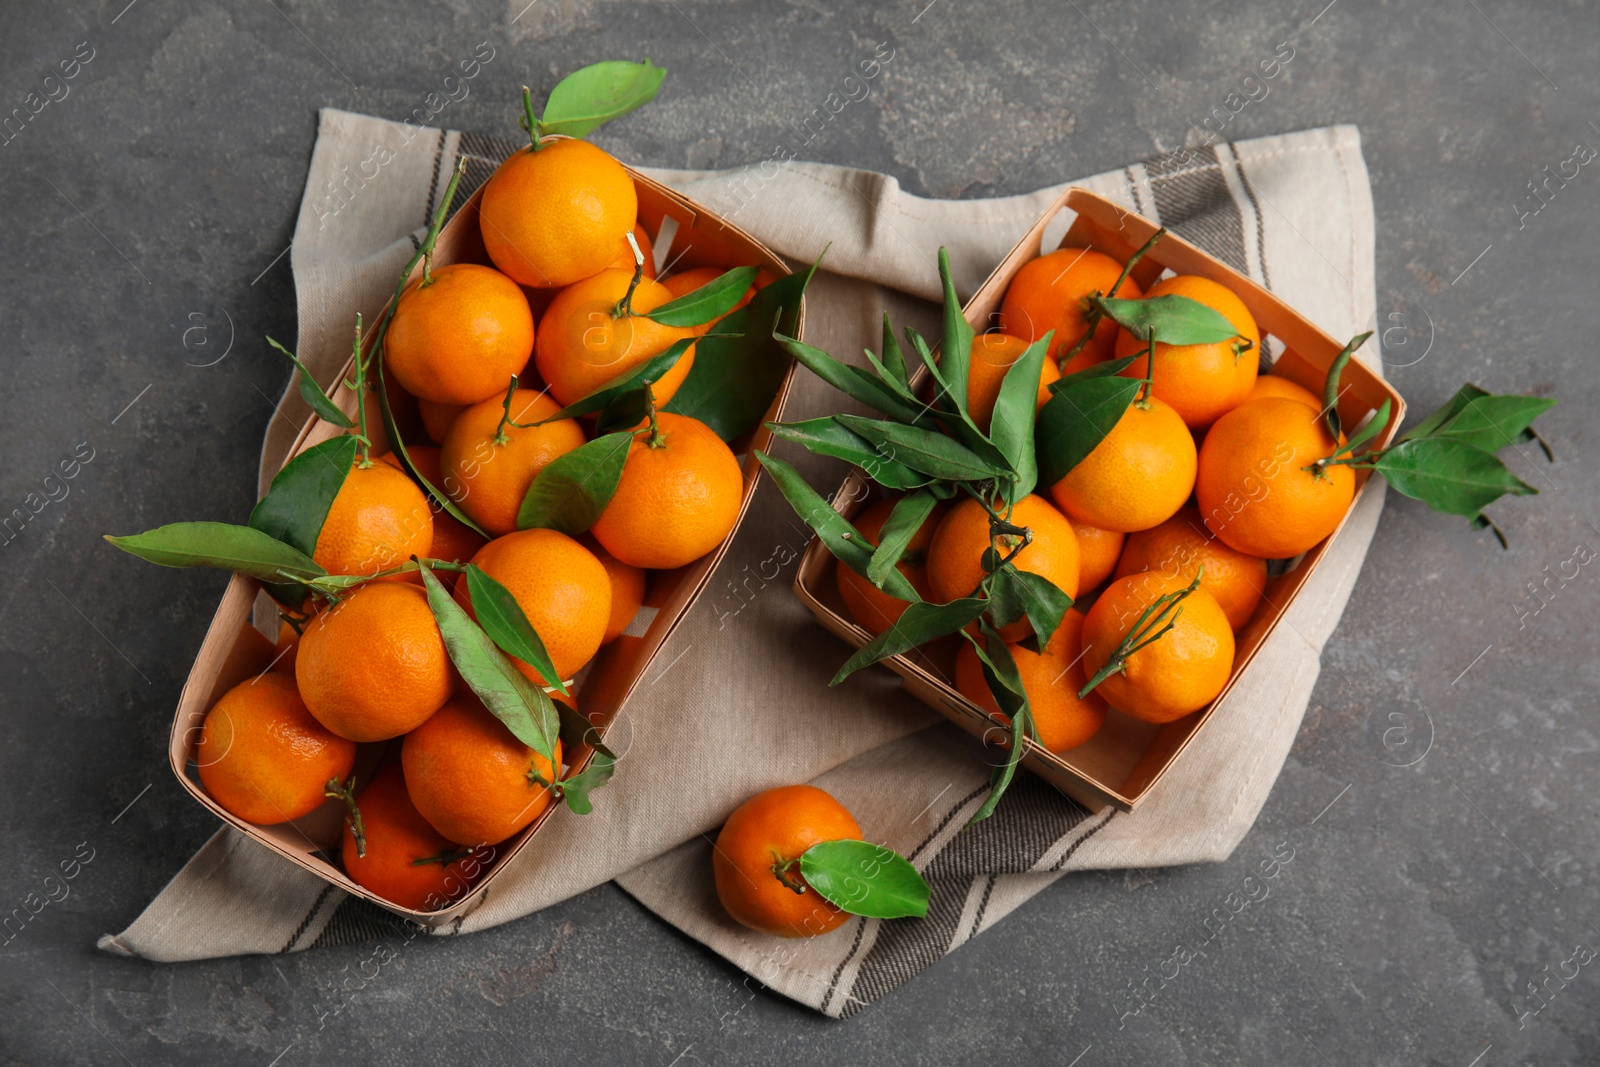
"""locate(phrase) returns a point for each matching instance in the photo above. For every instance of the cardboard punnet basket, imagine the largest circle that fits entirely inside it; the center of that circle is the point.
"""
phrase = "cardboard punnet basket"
(687, 234)
(1124, 761)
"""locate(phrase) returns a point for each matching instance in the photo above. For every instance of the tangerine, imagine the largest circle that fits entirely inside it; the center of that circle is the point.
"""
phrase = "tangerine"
(1051, 678)
(1200, 382)
(487, 465)
(1179, 672)
(459, 337)
(583, 343)
(992, 357)
(378, 520)
(1138, 476)
(1098, 551)
(956, 554)
(1049, 293)
(405, 860)
(756, 860)
(1181, 546)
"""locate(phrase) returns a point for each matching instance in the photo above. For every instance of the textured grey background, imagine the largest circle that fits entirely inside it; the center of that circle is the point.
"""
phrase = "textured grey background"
(143, 214)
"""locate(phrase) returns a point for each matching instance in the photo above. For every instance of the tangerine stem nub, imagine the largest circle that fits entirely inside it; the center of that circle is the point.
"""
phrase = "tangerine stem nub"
(1143, 399)
(346, 792)
(781, 868)
(1152, 625)
(360, 387)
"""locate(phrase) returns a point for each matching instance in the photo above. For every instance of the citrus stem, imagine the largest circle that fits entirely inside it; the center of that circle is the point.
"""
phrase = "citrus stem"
(500, 437)
(1152, 625)
(444, 859)
(1092, 312)
(1133, 260)
(624, 307)
(359, 386)
(530, 121)
(1149, 374)
(781, 868)
(419, 256)
(657, 439)
(346, 792)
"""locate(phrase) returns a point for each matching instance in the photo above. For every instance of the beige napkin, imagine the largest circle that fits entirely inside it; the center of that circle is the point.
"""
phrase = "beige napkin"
(739, 700)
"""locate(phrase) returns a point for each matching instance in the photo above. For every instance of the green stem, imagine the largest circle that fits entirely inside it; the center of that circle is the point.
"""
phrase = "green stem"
(530, 121)
(624, 307)
(444, 859)
(346, 793)
(781, 868)
(1092, 312)
(1133, 260)
(657, 439)
(1152, 625)
(500, 436)
(421, 253)
(359, 386)
(1143, 399)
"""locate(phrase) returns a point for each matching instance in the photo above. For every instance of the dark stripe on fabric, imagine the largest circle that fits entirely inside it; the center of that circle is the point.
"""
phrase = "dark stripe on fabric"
(1193, 200)
(483, 155)
(1031, 820)
(1133, 191)
(983, 906)
(311, 914)
(356, 921)
(1255, 207)
(1062, 862)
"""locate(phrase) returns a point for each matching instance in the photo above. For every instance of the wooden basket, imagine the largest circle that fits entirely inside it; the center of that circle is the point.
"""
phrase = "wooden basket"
(1125, 760)
(692, 236)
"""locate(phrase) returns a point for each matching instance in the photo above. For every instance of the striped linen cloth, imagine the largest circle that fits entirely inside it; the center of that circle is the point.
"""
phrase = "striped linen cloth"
(739, 701)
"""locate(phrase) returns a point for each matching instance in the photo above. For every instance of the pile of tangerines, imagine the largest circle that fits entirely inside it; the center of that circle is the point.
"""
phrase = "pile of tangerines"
(444, 575)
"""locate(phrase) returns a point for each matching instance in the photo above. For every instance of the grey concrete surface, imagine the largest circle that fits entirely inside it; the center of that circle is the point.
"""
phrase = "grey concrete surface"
(147, 209)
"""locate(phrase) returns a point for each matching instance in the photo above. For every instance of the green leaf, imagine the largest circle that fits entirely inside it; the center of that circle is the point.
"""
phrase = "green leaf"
(921, 623)
(955, 351)
(1493, 422)
(865, 879)
(599, 93)
(894, 360)
(852, 381)
(222, 545)
(392, 429)
(1330, 387)
(827, 437)
(576, 729)
(1005, 683)
(708, 303)
(502, 618)
(1094, 370)
(312, 393)
(838, 536)
(960, 424)
(1373, 428)
(1011, 425)
(297, 501)
(1041, 600)
(1449, 475)
(626, 411)
(525, 708)
(1176, 320)
(1077, 419)
(734, 378)
(905, 519)
(574, 488)
(576, 788)
(922, 450)
(650, 370)
(1445, 412)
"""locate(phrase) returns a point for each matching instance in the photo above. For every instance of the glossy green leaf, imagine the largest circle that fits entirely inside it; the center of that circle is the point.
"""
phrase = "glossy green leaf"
(921, 623)
(313, 394)
(626, 411)
(525, 708)
(1330, 387)
(708, 303)
(893, 358)
(436, 493)
(575, 789)
(1077, 419)
(1005, 684)
(1446, 411)
(1094, 370)
(1373, 428)
(905, 519)
(221, 545)
(574, 488)
(955, 350)
(865, 879)
(1011, 425)
(852, 381)
(827, 437)
(1175, 320)
(297, 501)
(1043, 602)
(576, 730)
(650, 370)
(838, 536)
(1449, 475)
(1494, 422)
(734, 378)
(958, 421)
(503, 619)
(922, 450)
(598, 93)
